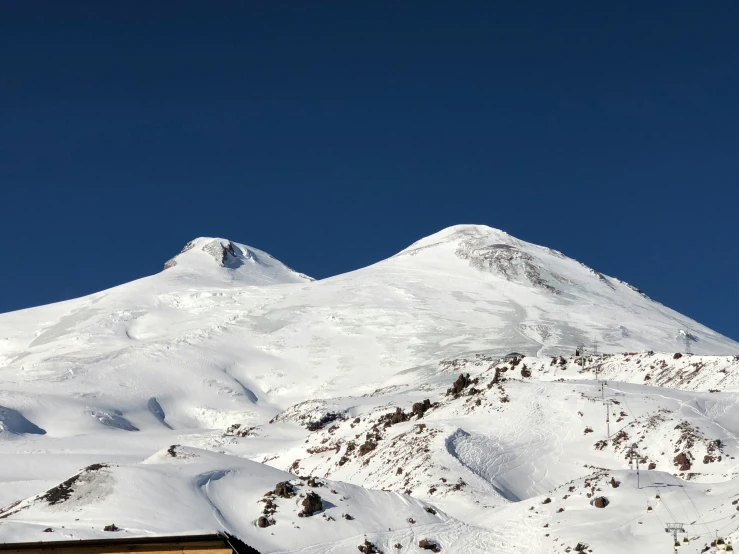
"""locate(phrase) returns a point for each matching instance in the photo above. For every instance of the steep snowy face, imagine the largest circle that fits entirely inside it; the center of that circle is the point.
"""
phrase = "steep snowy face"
(237, 262)
(498, 253)
(547, 302)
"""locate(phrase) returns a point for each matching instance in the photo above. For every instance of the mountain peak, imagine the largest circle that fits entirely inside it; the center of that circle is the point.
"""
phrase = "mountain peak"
(457, 233)
(236, 261)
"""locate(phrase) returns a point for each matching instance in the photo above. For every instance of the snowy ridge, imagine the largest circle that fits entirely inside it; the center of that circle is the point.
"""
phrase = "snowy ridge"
(242, 263)
(384, 391)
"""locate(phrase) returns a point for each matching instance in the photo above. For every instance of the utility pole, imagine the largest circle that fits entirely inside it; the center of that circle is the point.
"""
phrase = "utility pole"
(686, 338)
(634, 456)
(595, 347)
(687, 342)
(607, 403)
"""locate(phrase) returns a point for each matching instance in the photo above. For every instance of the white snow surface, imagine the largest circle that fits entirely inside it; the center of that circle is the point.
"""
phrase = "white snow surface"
(260, 375)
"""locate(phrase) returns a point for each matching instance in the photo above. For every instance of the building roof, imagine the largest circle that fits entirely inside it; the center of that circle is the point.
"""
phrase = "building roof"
(514, 355)
(215, 543)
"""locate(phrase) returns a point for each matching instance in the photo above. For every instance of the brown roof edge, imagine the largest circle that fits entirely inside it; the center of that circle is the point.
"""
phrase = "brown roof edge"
(238, 546)
(116, 541)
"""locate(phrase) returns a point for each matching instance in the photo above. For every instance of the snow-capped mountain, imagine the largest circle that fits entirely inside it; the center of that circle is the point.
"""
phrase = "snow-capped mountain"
(246, 364)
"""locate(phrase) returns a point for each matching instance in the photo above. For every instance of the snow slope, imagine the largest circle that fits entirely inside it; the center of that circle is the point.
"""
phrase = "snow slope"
(306, 371)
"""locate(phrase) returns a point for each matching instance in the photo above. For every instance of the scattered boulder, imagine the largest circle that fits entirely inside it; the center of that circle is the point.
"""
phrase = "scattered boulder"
(677, 356)
(264, 521)
(496, 378)
(420, 408)
(525, 372)
(313, 482)
(614, 483)
(546, 501)
(426, 544)
(112, 527)
(368, 446)
(600, 502)
(327, 418)
(430, 510)
(652, 465)
(348, 517)
(682, 460)
(369, 548)
(312, 503)
(48, 530)
(398, 416)
(237, 430)
(462, 382)
(284, 490)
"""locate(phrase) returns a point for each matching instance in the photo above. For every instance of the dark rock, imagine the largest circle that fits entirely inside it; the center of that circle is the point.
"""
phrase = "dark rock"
(348, 517)
(682, 460)
(496, 378)
(677, 356)
(614, 483)
(48, 530)
(525, 372)
(63, 491)
(426, 544)
(284, 490)
(462, 382)
(313, 482)
(652, 465)
(398, 416)
(368, 446)
(420, 408)
(263, 522)
(600, 502)
(312, 504)
(323, 421)
(369, 548)
(546, 501)
(430, 510)
(111, 527)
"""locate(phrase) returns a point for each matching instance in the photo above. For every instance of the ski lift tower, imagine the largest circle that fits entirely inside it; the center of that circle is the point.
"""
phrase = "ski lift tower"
(675, 528)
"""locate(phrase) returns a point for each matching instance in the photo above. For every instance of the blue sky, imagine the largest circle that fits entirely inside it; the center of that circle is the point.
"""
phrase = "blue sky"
(334, 133)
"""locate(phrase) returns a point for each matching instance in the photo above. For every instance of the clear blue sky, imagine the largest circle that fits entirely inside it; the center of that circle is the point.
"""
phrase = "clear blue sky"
(334, 133)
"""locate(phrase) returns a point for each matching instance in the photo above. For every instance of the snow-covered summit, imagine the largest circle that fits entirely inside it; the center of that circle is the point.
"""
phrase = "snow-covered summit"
(461, 232)
(494, 251)
(239, 262)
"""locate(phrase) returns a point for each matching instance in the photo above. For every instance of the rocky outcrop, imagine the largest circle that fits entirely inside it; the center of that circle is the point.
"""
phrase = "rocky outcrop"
(312, 503)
